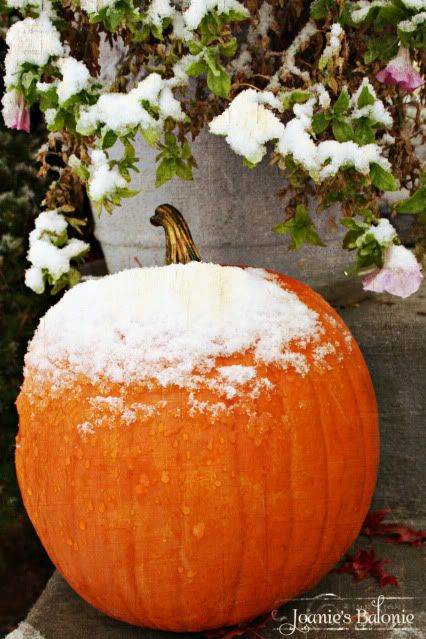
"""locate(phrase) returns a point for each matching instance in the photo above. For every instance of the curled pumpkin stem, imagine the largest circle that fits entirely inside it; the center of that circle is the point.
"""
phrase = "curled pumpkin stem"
(180, 247)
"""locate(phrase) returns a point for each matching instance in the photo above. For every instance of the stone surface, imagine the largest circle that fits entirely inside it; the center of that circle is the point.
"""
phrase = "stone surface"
(61, 614)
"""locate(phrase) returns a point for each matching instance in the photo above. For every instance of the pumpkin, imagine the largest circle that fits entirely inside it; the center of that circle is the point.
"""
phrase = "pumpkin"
(198, 443)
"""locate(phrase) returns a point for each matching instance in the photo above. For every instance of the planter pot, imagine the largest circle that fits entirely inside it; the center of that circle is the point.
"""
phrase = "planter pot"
(231, 211)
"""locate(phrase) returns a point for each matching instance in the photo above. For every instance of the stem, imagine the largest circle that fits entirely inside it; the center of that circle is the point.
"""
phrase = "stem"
(180, 247)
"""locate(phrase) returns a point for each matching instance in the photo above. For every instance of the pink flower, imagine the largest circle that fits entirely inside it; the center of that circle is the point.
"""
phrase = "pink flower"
(401, 273)
(15, 113)
(401, 72)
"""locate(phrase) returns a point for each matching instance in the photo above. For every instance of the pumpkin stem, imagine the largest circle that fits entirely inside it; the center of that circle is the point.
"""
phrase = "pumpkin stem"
(180, 247)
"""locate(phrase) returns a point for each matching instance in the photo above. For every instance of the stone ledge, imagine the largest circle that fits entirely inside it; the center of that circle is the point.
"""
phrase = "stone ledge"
(61, 614)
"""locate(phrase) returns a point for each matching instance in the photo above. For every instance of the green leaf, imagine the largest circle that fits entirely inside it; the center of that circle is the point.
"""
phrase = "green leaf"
(363, 132)
(220, 84)
(320, 122)
(196, 68)
(342, 103)
(195, 47)
(294, 97)
(320, 9)
(151, 136)
(183, 170)
(381, 178)
(229, 49)
(109, 139)
(301, 229)
(342, 131)
(414, 204)
(365, 98)
(165, 171)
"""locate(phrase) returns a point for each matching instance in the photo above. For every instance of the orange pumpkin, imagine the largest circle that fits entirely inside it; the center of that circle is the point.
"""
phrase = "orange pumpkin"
(190, 498)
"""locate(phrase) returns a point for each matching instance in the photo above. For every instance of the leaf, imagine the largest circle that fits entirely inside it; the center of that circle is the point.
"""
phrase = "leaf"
(229, 49)
(342, 103)
(320, 9)
(414, 204)
(365, 98)
(320, 122)
(219, 84)
(165, 171)
(109, 139)
(196, 68)
(373, 526)
(195, 47)
(294, 97)
(363, 132)
(382, 179)
(301, 229)
(342, 131)
(364, 564)
(151, 136)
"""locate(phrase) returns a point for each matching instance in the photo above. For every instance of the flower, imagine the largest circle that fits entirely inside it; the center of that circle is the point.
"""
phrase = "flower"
(400, 71)
(15, 113)
(401, 273)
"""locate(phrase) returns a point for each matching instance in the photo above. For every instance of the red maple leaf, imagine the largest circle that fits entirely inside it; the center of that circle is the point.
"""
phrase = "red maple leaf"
(249, 627)
(392, 533)
(364, 564)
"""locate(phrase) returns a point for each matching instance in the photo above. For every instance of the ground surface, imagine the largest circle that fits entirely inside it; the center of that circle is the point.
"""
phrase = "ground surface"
(61, 614)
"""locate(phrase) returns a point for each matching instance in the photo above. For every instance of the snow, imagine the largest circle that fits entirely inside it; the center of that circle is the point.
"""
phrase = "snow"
(75, 77)
(248, 124)
(341, 154)
(412, 24)
(169, 324)
(50, 222)
(121, 112)
(33, 41)
(266, 19)
(24, 4)
(103, 180)
(361, 9)
(332, 50)
(34, 279)
(199, 8)
(399, 257)
(158, 11)
(375, 111)
(384, 232)
(94, 6)
(288, 64)
(44, 255)
(418, 5)
(324, 160)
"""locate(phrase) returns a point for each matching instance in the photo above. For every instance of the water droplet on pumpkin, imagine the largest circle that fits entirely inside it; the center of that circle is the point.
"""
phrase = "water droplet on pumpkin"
(29, 491)
(87, 463)
(90, 505)
(82, 525)
(218, 483)
(75, 545)
(185, 436)
(165, 477)
(185, 509)
(180, 570)
(102, 507)
(69, 541)
(198, 530)
(191, 573)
